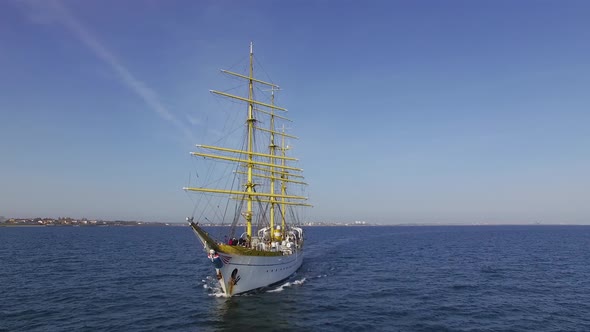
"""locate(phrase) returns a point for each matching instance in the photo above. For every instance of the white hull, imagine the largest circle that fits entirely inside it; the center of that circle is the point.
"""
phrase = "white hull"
(245, 273)
(242, 273)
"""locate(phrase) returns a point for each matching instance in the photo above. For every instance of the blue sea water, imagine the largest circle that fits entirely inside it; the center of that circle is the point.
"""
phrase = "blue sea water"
(469, 278)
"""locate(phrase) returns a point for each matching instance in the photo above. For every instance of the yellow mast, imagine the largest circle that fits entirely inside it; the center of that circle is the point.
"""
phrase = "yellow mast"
(249, 183)
(283, 183)
(272, 147)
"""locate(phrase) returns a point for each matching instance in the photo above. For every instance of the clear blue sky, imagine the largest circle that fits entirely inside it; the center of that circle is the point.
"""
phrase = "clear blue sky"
(408, 111)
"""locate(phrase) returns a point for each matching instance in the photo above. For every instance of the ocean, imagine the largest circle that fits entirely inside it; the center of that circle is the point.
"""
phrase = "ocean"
(447, 278)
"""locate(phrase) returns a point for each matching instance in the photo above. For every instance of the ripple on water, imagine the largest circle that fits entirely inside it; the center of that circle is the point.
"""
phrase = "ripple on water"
(368, 278)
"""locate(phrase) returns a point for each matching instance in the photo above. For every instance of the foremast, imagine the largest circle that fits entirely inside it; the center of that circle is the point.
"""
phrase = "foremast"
(270, 170)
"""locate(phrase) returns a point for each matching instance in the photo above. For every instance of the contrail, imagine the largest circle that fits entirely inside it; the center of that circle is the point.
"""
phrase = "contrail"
(64, 16)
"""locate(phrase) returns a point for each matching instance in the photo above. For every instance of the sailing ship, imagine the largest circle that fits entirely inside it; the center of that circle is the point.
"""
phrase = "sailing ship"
(270, 249)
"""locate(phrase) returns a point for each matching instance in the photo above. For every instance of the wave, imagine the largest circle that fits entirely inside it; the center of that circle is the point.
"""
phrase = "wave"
(287, 284)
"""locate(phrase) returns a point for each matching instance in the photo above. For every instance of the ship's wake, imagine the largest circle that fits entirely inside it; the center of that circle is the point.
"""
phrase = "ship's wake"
(287, 284)
(214, 289)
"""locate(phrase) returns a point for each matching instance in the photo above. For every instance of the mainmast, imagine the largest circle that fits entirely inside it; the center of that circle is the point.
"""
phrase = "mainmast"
(251, 120)
(272, 147)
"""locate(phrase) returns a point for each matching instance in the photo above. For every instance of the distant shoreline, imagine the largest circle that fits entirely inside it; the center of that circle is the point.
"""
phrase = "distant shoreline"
(146, 224)
(106, 224)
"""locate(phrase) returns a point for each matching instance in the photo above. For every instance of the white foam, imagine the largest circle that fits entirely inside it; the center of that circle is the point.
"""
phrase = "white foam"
(299, 282)
(213, 287)
(287, 284)
(218, 293)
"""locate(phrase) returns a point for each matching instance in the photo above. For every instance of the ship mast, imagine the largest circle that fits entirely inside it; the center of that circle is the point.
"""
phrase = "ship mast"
(284, 181)
(251, 120)
(272, 147)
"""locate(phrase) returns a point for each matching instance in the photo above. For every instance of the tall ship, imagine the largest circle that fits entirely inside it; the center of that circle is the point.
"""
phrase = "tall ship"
(258, 181)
